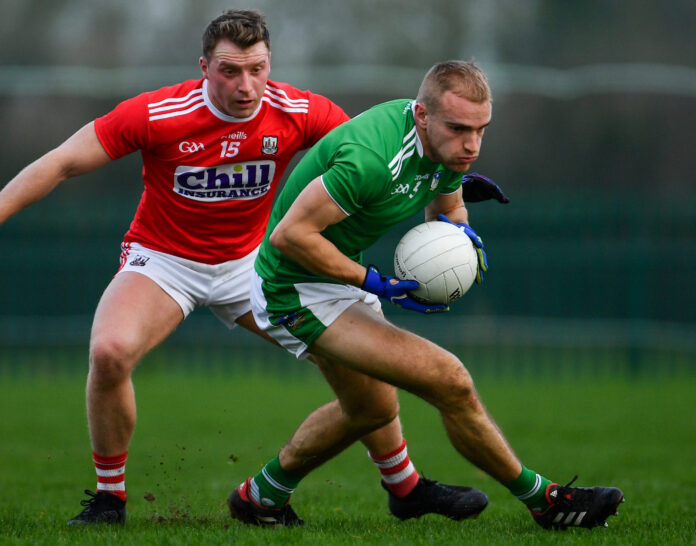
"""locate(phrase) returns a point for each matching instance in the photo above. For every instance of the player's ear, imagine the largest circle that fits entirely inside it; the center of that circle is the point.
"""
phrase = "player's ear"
(203, 63)
(420, 115)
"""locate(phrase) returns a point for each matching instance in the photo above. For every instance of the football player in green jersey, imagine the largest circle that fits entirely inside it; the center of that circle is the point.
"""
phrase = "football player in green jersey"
(315, 297)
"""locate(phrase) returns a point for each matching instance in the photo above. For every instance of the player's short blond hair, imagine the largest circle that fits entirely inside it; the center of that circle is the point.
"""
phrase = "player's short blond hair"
(462, 78)
(242, 27)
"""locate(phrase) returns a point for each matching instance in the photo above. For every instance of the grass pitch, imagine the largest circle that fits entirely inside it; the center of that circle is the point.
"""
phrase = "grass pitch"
(201, 432)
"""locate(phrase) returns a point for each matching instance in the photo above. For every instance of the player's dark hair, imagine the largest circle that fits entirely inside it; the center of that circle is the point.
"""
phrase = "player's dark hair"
(242, 27)
(462, 78)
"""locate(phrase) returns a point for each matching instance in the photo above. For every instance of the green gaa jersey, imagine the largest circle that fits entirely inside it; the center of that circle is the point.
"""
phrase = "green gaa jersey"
(374, 168)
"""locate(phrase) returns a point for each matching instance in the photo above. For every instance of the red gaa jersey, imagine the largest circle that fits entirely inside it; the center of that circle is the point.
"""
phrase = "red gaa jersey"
(209, 177)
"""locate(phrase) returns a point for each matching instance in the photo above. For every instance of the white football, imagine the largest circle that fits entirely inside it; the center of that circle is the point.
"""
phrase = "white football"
(440, 257)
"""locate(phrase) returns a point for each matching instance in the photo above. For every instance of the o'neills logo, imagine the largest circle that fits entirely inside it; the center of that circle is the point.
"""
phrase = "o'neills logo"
(248, 180)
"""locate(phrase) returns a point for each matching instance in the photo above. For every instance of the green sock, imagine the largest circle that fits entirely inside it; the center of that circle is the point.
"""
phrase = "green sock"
(273, 486)
(530, 488)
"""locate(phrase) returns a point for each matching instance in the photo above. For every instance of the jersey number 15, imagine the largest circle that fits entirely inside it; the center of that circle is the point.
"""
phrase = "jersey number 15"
(229, 149)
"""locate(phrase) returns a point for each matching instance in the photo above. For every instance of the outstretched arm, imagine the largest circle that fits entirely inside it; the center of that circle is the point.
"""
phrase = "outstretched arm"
(79, 154)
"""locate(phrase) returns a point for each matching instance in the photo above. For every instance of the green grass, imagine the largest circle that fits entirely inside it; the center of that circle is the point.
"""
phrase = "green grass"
(201, 432)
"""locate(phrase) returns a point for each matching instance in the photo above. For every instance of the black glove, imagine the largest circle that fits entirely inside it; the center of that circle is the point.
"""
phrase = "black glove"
(476, 187)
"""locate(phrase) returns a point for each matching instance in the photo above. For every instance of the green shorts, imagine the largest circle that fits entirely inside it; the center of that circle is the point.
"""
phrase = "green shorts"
(296, 314)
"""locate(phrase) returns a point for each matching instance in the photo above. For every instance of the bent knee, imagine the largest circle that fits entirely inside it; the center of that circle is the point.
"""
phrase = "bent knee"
(374, 414)
(111, 358)
(460, 385)
(454, 385)
(385, 415)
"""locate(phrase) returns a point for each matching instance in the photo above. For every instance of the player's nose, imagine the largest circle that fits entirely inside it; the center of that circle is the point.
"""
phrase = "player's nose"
(472, 143)
(244, 82)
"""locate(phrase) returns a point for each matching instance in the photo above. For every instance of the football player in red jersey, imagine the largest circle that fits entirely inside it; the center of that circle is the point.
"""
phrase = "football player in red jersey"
(213, 150)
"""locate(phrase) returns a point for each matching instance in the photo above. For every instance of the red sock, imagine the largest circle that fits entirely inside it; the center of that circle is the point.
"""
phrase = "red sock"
(111, 474)
(397, 470)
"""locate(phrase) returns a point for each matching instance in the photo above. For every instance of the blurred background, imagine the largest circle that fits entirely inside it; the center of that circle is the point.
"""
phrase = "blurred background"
(592, 263)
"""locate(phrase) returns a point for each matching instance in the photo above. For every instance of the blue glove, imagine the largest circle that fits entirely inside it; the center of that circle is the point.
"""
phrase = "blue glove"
(396, 293)
(476, 187)
(478, 245)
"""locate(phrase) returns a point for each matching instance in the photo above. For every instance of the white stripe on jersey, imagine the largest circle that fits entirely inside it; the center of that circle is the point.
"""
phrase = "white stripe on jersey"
(175, 106)
(304, 110)
(409, 135)
(282, 96)
(176, 99)
(196, 106)
(406, 151)
(407, 144)
(179, 106)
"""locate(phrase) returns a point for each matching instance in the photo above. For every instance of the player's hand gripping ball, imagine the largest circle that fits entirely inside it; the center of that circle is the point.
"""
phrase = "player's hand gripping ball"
(441, 257)
(397, 291)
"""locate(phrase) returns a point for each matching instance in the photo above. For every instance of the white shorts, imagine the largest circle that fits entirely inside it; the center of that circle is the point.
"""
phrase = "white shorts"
(320, 304)
(224, 287)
